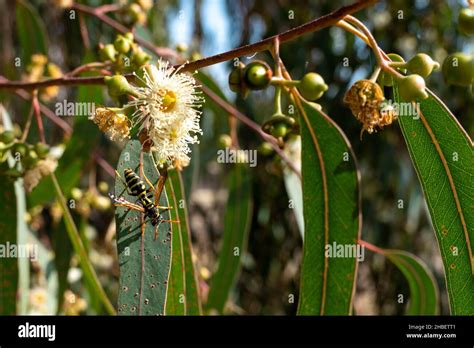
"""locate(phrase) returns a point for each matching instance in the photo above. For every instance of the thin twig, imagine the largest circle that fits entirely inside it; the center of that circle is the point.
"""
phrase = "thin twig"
(253, 125)
(312, 26)
(100, 14)
(47, 112)
(26, 130)
(39, 120)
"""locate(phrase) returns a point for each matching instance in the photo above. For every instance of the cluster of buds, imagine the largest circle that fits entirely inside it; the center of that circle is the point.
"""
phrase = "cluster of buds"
(31, 161)
(124, 54)
(93, 198)
(39, 69)
(254, 76)
(135, 12)
(258, 75)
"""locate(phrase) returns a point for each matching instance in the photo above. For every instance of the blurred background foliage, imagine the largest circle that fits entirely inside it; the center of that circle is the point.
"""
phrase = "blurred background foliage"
(270, 271)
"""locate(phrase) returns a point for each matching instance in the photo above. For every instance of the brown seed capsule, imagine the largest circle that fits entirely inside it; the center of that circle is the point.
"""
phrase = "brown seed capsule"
(365, 99)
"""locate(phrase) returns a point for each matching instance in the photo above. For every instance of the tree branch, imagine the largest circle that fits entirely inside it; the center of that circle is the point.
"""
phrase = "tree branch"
(312, 26)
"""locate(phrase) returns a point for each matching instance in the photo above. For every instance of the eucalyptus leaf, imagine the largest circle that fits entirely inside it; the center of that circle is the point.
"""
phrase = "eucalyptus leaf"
(443, 156)
(331, 208)
(143, 260)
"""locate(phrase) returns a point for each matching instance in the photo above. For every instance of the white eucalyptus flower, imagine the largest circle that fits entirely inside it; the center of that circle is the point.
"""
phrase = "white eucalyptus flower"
(166, 108)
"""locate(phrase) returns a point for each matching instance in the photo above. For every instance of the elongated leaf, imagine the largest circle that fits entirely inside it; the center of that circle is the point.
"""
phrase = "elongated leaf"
(8, 243)
(443, 156)
(423, 287)
(293, 184)
(21, 228)
(144, 262)
(331, 208)
(236, 228)
(183, 291)
(31, 31)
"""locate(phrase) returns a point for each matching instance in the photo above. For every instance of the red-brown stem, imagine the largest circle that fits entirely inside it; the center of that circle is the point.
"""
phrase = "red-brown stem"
(84, 32)
(85, 67)
(47, 112)
(39, 120)
(253, 125)
(104, 164)
(160, 51)
(312, 26)
(26, 130)
(371, 247)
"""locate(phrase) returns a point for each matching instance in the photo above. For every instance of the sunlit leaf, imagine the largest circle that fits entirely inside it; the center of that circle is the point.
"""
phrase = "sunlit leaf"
(443, 156)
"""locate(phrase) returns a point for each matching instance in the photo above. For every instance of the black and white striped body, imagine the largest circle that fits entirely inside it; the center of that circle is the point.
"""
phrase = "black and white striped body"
(137, 188)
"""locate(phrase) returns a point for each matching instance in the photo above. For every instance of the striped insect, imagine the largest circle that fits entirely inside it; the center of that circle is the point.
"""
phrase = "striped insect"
(147, 204)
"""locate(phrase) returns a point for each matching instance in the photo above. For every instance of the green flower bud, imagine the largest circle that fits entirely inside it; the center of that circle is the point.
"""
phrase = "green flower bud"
(31, 159)
(101, 203)
(225, 141)
(412, 87)
(235, 79)
(122, 44)
(140, 58)
(108, 52)
(7, 137)
(20, 148)
(312, 86)
(257, 75)
(466, 21)
(422, 64)
(134, 14)
(181, 47)
(103, 187)
(265, 149)
(385, 79)
(279, 130)
(76, 193)
(118, 85)
(458, 69)
(129, 36)
(278, 125)
(42, 150)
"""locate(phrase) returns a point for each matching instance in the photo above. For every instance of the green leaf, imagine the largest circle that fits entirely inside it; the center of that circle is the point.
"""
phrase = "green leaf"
(21, 229)
(8, 265)
(443, 156)
(295, 191)
(331, 208)
(31, 31)
(183, 291)
(144, 262)
(423, 288)
(236, 229)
